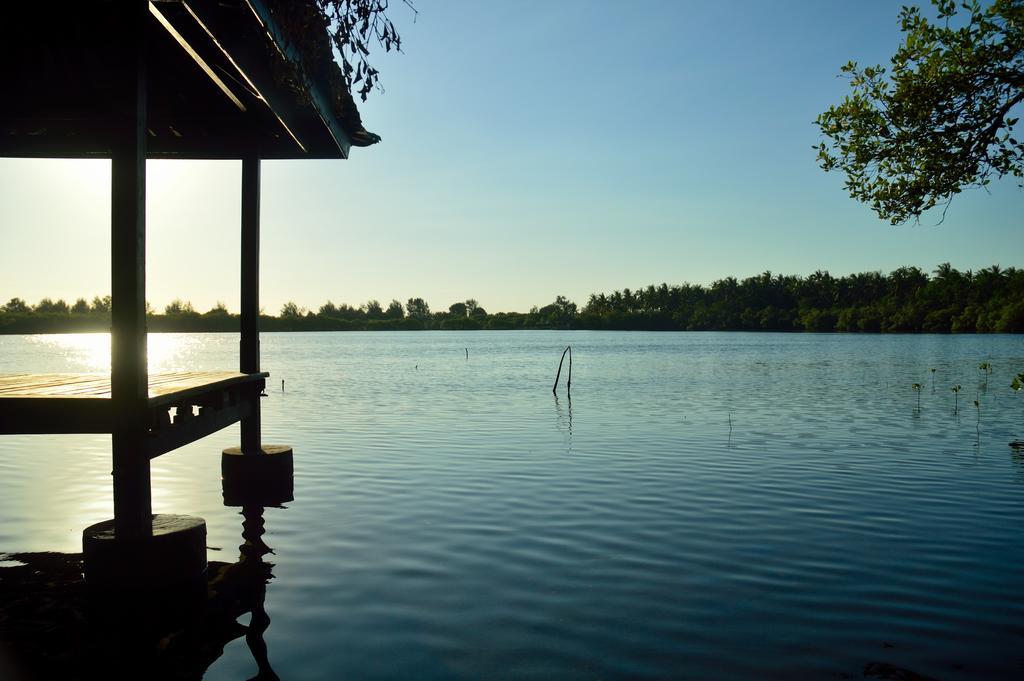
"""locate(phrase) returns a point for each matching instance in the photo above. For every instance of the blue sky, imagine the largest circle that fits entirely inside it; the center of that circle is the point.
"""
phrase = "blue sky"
(532, 149)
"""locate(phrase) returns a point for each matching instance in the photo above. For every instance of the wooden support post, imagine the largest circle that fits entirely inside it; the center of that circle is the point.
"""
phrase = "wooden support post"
(129, 375)
(255, 473)
(250, 299)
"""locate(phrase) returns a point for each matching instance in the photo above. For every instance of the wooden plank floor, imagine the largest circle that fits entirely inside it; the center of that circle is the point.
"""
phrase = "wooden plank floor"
(98, 385)
(80, 403)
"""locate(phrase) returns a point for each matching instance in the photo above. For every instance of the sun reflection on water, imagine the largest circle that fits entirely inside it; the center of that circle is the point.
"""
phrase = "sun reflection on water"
(90, 352)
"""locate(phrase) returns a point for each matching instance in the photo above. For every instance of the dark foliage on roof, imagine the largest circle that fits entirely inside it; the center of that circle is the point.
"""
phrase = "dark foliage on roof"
(226, 78)
(320, 29)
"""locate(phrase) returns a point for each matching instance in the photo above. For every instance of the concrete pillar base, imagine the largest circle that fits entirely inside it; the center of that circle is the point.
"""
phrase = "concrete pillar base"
(261, 479)
(174, 555)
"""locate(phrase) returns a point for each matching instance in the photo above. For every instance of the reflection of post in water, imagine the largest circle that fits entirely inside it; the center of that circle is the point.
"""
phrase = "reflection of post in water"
(180, 633)
(254, 482)
(256, 575)
(241, 587)
(562, 421)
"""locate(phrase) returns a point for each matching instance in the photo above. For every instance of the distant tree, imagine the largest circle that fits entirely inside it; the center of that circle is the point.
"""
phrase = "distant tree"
(80, 306)
(328, 309)
(374, 310)
(566, 306)
(291, 311)
(905, 300)
(559, 313)
(905, 281)
(346, 311)
(550, 311)
(1012, 318)
(16, 305)
(941, 119)
(101, 304)
(395, 310)
(178, 307)
(218, 310)
(417, 308)
(48, 306)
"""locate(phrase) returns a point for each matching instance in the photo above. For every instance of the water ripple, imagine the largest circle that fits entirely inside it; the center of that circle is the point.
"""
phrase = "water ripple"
(727, 506)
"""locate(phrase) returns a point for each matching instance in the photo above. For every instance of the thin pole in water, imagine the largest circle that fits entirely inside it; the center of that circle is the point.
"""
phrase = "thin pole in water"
(282, 385)
(554, 388)
(568, 383)
(467, 353)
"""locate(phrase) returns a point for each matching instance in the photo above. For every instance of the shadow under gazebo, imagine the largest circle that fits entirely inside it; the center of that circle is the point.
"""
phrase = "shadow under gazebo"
(52, 625)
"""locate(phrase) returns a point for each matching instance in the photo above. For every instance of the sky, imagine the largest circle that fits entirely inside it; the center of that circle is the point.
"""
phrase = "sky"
(531, 149)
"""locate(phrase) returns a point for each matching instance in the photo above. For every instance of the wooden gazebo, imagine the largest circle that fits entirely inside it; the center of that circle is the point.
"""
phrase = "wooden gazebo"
(175, 79)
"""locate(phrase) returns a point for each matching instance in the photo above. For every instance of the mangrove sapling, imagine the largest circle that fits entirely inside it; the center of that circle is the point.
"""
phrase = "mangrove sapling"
(917, 389)
(985, 369)
(977, 425)
(933, 380)
(956, 397)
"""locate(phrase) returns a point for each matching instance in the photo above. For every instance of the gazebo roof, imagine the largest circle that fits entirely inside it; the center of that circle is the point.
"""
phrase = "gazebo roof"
(224, 81)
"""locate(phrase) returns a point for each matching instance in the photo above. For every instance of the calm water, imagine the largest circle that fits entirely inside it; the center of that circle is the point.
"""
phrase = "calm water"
(708, 506)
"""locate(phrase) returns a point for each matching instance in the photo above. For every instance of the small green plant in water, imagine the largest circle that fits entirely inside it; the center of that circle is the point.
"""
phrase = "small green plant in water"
(933, 379)
(956, 397)
(986, 369)
(917, 389)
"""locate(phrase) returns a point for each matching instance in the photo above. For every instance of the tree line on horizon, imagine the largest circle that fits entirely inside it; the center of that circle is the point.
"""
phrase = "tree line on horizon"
(907, 300)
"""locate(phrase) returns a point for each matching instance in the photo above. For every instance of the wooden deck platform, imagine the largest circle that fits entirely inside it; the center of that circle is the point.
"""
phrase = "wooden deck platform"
(202, 401)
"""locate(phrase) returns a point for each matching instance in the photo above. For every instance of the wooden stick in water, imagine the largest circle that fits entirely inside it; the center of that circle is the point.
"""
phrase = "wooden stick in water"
(554, 388)
(568, 384)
